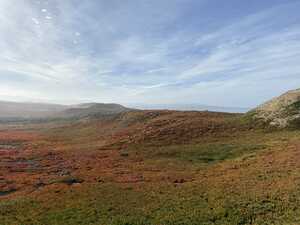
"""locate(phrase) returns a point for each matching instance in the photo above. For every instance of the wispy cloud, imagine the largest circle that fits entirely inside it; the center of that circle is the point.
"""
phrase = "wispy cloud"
(148, 51)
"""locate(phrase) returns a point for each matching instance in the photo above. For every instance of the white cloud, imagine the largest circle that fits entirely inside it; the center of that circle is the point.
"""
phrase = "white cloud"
(36, 21)
(112, 54)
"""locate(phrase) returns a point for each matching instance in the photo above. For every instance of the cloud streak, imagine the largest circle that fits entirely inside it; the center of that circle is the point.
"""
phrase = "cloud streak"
(186, 51)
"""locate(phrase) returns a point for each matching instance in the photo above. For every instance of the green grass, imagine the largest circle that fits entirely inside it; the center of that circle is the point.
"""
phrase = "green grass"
(166, 205)
(202, 153)
(212, 150)
(227, 188)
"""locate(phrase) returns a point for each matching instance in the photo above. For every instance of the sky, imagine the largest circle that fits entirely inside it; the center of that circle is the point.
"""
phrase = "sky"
(209, 52)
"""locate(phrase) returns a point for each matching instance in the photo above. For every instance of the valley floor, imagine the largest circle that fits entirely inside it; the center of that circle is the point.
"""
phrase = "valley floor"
(149, 167)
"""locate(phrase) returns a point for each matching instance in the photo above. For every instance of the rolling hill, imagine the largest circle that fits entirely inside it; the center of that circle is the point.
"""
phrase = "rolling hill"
(281, 112)
(91, 109)
(14, 111)
(151, 167)
(22, 111)
(28, 110)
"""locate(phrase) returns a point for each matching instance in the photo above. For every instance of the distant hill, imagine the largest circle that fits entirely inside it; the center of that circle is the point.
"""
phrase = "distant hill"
(32, 111)
(92, 109)
(191, 107)
(195, 107)
(28, 110)
(283, 111)
(16, 111)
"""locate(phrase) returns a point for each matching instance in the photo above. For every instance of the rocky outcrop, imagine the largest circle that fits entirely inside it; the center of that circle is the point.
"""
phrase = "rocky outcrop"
(281, 112)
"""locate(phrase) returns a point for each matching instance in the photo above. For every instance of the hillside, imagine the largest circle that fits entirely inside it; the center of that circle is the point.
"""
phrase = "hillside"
(28, 110)
(283, 111)
(37, 111)
(91, 109)
(149, 167)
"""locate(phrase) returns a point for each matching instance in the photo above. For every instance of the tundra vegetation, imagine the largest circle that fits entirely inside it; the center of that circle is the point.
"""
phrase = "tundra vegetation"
(151, 167)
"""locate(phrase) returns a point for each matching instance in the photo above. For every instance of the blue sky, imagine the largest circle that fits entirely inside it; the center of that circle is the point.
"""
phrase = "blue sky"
(211, 52)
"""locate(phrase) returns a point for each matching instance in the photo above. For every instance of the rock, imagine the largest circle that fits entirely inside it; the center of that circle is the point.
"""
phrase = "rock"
(70, 180)
(281, 112)
(7, 191)
(124, 154)
(180, 181)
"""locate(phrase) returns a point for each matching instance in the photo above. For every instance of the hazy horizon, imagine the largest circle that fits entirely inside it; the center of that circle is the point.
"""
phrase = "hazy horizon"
(172, 52)
(143, 106)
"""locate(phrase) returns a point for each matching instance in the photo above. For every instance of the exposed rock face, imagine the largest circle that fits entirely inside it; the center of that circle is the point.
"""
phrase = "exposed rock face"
(283, 111)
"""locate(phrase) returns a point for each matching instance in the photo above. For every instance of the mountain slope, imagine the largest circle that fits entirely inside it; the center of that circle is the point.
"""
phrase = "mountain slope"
(28, 110)
(283, 111)
(180, 168)
(14, 110)
(92, 109)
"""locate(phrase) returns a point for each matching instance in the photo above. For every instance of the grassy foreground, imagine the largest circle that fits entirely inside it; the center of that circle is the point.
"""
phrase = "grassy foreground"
(244, 176)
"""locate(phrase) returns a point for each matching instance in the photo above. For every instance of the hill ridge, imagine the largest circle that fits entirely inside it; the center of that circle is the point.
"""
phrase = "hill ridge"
(282, 111)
